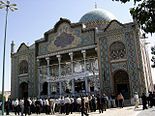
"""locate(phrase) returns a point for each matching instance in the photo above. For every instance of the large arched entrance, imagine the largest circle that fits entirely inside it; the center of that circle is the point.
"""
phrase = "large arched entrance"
(44, 88)
(121, 83)
(23, 90)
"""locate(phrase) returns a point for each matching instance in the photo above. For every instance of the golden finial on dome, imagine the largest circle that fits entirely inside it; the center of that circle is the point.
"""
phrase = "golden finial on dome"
(95, 5)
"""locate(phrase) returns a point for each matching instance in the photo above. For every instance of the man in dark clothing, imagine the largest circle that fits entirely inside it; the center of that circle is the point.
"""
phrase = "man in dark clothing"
(38, 106)
(105, 106)
(144, 101)
(93, 100)
(150, 99)
(99, 104)
(7, 107)
(26, 106)
(153, 98)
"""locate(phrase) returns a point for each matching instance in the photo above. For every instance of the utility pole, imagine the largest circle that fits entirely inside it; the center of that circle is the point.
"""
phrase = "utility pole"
(7, 6)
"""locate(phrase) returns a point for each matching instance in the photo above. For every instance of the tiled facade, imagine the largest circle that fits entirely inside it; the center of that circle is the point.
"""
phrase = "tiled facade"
(75, 59)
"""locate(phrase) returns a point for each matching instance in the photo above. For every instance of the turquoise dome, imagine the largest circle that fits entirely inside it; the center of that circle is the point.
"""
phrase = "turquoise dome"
(97, 15)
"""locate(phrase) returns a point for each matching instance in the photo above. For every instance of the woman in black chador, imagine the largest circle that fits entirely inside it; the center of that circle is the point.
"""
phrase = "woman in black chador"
(144, 101)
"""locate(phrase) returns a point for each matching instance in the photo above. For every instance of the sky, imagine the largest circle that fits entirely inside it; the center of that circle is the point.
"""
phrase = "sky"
(34, 17)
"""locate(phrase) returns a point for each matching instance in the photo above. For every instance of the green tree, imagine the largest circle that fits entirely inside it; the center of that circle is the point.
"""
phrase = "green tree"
(144, 13)
(1, 97)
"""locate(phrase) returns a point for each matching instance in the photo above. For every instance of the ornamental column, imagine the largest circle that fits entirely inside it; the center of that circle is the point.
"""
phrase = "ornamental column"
(73, 86)
(38, 64)
(60, 84)
(48, 74)
(96, 77)
(86, 80)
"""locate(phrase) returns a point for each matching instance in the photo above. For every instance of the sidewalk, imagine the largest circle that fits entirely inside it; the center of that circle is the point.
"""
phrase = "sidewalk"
(147, 112)
(126, 111)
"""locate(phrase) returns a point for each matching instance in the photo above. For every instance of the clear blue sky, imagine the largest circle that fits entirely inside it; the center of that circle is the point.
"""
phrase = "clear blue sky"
(35, 17)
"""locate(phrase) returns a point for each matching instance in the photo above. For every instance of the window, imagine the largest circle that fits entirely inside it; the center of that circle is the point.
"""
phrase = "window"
(23, 67)
(117, 51)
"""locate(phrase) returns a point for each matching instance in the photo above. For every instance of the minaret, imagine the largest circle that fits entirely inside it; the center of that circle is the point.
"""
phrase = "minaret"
(12, 47)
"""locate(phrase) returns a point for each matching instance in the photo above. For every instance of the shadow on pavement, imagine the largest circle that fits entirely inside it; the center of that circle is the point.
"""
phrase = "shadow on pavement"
(138, 110)
(129, 108)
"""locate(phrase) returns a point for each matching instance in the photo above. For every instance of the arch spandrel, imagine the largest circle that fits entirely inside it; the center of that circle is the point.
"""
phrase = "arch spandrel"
(117, 66)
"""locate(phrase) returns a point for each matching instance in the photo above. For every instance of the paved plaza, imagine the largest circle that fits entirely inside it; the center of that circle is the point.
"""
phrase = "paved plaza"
(126, 111)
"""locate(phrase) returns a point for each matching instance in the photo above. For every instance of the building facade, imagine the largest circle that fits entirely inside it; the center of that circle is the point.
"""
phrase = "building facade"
(98, 54)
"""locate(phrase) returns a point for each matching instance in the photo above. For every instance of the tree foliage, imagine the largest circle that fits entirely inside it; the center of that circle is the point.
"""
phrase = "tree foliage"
(1, 97)
(144, 13)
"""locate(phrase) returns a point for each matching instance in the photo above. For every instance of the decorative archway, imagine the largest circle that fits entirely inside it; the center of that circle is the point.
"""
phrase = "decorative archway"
(23, 90)
(121, 83)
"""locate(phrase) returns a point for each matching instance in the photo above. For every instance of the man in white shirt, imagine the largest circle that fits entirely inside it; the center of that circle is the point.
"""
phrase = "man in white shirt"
(136, 100)
(67, 104)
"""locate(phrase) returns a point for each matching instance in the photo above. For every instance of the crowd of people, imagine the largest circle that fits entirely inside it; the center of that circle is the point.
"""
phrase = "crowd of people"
(65, 105)
(62, 105)
(147, 100)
